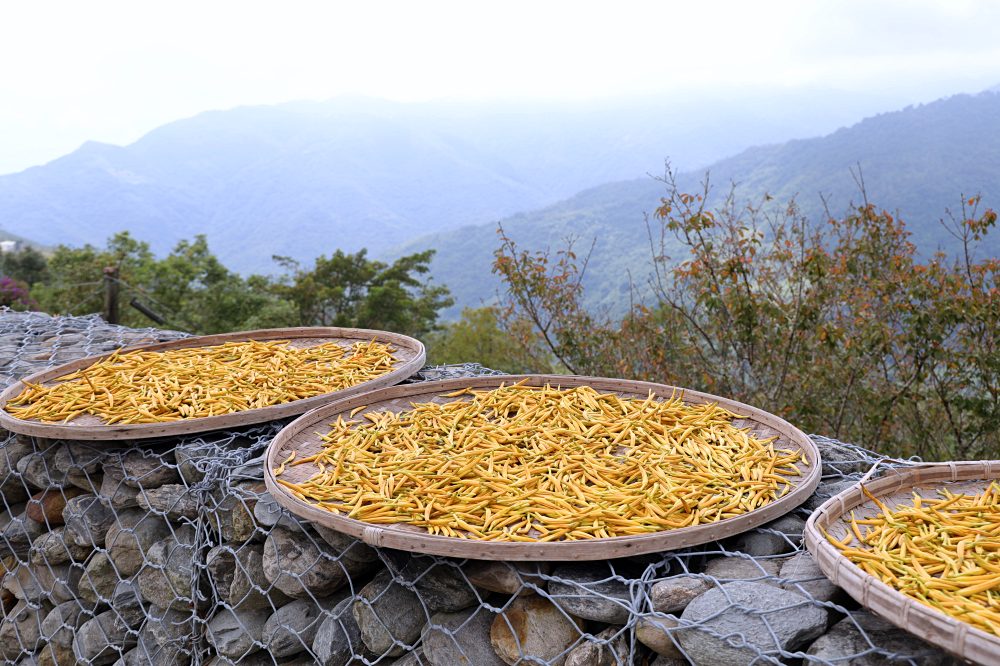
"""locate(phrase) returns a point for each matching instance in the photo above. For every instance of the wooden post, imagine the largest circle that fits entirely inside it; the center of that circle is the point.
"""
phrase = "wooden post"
(111, 294)
(141, 307)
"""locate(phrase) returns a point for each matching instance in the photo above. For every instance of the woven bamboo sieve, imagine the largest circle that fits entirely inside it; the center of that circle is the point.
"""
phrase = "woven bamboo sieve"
(409, 357)
(303, 436)
(895, 487)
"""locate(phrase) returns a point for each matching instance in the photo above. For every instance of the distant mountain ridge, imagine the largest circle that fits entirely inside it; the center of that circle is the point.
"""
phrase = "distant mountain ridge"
(304, 179)
(918, 161)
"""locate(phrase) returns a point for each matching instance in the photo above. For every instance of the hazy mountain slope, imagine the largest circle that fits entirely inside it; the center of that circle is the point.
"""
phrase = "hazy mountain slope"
(919, 160)
(608, 213)
(302, 179)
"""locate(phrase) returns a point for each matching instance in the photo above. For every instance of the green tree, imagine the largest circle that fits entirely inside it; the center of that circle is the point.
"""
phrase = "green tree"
(841, 327)
(193, 291)
(74, 285)
(27, 265)
(205, 296)
(189, 288)
(478, 337)
(353, 291)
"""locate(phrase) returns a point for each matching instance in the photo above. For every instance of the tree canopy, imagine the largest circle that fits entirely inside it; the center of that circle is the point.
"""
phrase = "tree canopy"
(193, 291)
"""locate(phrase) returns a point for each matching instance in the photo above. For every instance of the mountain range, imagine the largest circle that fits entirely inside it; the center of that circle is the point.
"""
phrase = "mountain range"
(919, 162)
(302, 179)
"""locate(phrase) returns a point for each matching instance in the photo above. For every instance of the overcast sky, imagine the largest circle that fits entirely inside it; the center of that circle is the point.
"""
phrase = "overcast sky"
(111, 71)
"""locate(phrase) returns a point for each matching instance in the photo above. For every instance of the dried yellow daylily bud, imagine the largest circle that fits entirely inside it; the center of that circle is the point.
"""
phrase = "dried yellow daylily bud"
(944, 553)
(156, 386)
(521, 463)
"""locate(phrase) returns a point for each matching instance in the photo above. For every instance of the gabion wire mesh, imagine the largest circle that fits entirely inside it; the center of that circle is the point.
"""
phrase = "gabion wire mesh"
(171, 553)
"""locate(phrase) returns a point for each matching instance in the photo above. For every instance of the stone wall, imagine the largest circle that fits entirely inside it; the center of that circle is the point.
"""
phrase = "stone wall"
(171, 553)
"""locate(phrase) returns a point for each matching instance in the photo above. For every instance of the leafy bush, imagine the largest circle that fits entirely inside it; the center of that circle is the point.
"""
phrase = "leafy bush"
(193, 291)
(841, 327)
(477, 336)
(14, 294)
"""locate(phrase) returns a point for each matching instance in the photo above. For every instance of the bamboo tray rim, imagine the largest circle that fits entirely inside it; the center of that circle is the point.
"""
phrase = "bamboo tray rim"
(925, 622)
(410, 355)
(410, 539)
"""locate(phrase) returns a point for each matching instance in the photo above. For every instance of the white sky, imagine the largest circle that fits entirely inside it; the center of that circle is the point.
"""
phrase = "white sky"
(110, 71)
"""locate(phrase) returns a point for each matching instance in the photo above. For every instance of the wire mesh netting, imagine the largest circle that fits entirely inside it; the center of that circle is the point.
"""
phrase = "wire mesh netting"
(171, 552)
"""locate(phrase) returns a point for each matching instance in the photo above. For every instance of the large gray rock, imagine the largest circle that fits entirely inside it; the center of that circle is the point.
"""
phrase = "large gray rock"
(533, 628)
(268, 513)
(169, 628)
(611, 648)
(591, 591)
(864, 639)
(839, 458)
(20, 531)
(58, 582)
(414, 658)
(338, 638)
(655, 632)
(801, 574)
(826, 489)
(230, 511)
(237, 574)
(148, 653)
(104, 639)
(167, 579)
(460, 639)
(302, 567)
(22, 581)
(727, 569)
(55, 655)
(13, 449)
(779, 536)
(60, 624)
(346, 546)
(13, 489)
(389, 615)
(292, 628)
(439, 584)
(149, 469)
(99, 579)
(38, 468)
(262, 659)
(53, 548)
(88, 520)
(188, 457)
(506, 577)
(9, 511)
(88, 483)
(173, 501)
(130, 538)
(114, 489)
(127, 603)
(82, 458)
(672, 595)
(21, 629)
(764, 618)
(234, 634)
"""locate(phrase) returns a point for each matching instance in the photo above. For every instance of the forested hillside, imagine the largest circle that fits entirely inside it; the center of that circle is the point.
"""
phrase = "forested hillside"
(920, 161)
(303, 179)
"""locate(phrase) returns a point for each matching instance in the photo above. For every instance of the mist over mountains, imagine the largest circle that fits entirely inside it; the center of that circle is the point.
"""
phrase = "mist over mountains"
(303, 179)
(920, 162)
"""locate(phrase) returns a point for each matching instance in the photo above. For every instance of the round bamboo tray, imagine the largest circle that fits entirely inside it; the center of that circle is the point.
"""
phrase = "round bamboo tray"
(303, 435)
(895, 487)
(409, 357)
